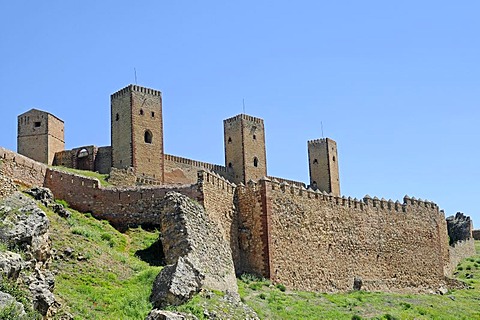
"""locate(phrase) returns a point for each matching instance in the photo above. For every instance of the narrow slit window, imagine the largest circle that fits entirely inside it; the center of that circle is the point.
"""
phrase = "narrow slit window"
(255, 162)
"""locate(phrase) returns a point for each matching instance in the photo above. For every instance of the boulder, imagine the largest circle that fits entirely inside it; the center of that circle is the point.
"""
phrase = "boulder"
(10, 264)
(176, 284)
(42, 194)
(16, 308)
(156, 314)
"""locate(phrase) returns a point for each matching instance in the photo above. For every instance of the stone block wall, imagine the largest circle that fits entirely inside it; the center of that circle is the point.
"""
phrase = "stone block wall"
(103, 160)
(319, 242)
(22, 169)
(180, 170)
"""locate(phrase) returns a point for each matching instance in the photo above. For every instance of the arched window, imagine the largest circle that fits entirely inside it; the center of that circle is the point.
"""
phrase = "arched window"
(255, 162)
(229, 139)
(230, 165)
(148, 136)
(315, 161)
(117, 116)
(333, 158)
(141, 112)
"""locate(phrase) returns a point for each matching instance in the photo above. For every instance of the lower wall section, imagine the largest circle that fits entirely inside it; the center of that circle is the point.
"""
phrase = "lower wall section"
(123, 207)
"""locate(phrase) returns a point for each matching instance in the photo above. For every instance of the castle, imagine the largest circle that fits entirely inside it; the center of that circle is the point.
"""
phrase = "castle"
(307, 237)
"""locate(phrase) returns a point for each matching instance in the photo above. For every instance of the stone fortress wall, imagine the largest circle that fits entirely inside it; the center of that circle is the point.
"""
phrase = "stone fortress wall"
(308, 239)
(315, 241)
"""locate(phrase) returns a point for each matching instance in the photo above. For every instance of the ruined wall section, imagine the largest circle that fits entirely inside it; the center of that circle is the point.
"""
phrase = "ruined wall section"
(103, 160)
(457, 252)
(219, 203)
(180, 170)
(123, 207)
(22, 169)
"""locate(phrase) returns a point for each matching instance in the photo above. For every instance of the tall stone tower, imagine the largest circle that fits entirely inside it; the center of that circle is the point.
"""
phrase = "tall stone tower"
(40, 135)
(137, 131)
(323, 164)
(245, 153)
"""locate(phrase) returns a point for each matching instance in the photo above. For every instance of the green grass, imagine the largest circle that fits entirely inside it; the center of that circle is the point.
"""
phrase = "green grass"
(103, 279)
(90, 174)
(270, 302)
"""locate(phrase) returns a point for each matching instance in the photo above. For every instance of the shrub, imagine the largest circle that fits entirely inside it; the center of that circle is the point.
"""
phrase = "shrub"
(281, 287)
(262, 296)
(356, 317)
(469, 267)
(460, 268)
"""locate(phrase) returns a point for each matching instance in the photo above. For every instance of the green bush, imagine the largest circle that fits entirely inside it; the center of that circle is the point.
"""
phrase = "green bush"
(356, 317)
(281, 287)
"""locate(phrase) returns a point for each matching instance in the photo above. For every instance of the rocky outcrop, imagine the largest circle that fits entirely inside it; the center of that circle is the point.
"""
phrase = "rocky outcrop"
(24, 232)
(15, 309)
(168, 315)
(196, 253)
(459, 228)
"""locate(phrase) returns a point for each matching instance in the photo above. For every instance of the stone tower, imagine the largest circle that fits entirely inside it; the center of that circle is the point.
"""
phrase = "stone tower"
(40, 135)
(245, 153)
(137, 131)
(323, 165)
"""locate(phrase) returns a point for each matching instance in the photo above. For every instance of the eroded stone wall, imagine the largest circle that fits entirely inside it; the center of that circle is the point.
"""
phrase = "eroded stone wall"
(457, 252)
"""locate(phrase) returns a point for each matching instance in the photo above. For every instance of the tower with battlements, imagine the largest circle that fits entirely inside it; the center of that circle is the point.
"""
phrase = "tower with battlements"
(137, 131)
(323, 165)
(40, 135)
(245, 153)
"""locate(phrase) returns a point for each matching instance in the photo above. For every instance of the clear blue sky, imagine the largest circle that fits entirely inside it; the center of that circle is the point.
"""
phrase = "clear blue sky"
(395, 84)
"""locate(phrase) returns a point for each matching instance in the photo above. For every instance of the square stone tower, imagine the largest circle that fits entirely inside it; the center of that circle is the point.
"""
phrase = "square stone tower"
(137, 131)
(323, 165)
(40, 135)
(245, 153)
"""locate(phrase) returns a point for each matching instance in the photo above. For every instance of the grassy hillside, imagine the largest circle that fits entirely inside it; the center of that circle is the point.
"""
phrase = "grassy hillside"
(104, 278)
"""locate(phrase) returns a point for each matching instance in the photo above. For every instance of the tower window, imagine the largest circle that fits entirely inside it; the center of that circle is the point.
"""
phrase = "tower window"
(255, 162)
(153, 114)
(229, 139)
(315, 161)
(254, 137)
(148, 136)
(230, 165)
(141, 112)
(117, 117)
(37, 124)
(333, 158)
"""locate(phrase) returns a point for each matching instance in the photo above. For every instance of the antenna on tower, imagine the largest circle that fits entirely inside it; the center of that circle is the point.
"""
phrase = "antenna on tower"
(321, 124)
(243, 105)
(135, 71)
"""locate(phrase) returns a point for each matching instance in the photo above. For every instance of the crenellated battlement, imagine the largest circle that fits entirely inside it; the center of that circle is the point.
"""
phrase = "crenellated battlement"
(244, 117)
(216, 180)
(367, 203)
(317, 141)
(136, 88)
